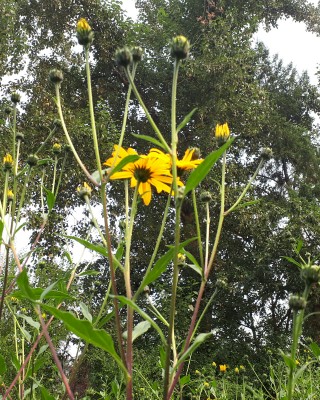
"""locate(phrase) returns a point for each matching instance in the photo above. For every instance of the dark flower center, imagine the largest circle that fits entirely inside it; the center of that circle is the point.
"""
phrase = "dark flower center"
(142, 174)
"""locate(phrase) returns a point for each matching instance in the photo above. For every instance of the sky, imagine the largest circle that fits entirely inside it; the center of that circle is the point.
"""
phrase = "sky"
(290, 41)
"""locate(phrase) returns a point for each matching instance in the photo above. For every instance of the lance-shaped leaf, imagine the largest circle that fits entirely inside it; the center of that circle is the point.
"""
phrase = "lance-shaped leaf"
(202, 170)
(85, 330)
(149, 139)
(141, 328)
(196, 343)
(185, 120)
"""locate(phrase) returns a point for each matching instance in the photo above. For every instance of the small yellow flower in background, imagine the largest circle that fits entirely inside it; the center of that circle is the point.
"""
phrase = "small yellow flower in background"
(237, 370)
(84, 32)
(44, 315)
(206, 384)
(10, 195)
(222, 132)
(7, 162)
(56, 148)
(242, 368)
(223, 368)
(214, 364)
(84, 191)
(181, 258)
(297, 362)
(197, 372)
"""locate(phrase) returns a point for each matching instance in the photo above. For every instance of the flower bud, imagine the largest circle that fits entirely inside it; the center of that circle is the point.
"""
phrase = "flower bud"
(137, 54)
(56, 148)
(84, 32)
(195, 153)
(181, 259)
(8, 110)
(311, 274)
(7, 162)
(57, 123)
(180, 47)
(19, 136)
(297, 303)
(123, 57)
(32, 160)
(221, 284)
(84, 191)
(15, 97)
(10, 195)
(266, 153)
(56, 76)
(205, 197)
(222, 133)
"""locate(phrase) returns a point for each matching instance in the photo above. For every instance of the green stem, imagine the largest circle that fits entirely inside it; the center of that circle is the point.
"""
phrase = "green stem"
(45, 141)
(150, 119)
(65, 130)
(196, 216)
(92, 118)
(155, 251)
(246, 188)
(178, 202)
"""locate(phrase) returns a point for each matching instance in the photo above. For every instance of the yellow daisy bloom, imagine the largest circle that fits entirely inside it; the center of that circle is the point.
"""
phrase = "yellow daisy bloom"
(187, 162)
(146, 172)
(222, 132)
(223, 368)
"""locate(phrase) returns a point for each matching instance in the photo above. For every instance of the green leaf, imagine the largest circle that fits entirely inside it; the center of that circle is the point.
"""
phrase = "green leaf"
(138, 330)
(185, 120)
(144, 315)
(42, 349)
(45, 395)
(50, 198)
(94, 247)
(85, 330)
(149, 139)
(202, 170)
(30, 321)
(288, 360)
(89, 272)
(184, 380)
(85, 311)
(292, 261)
(314, 347)
(47, 290)
(129, 159)
(195, 265)
(15, 362)
(1, 228)
(3, 366)
(196, 343)
(247, 204)
(24, 286)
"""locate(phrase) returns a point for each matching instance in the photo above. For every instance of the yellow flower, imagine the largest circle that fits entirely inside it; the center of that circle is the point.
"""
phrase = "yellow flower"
(223, 368)
(297, 362)
(242, 368)
(10, 195)
(84, 32)
(44, 315)
(56, 148)
(83, 25)
(189, 160)
(206, 384)
(7, 162)
(214, 364)
(222, 132)
(197, 372)
(237, 370)
(147, 171)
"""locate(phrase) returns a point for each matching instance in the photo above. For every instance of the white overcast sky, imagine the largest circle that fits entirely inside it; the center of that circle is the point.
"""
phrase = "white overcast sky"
(290, 41)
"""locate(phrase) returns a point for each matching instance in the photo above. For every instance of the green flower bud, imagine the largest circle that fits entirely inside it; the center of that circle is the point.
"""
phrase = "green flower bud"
(221, 284)
(311, 274)
(137, 54)
(57, 123)
(266, 153)
(196, 153)
(180, 47)
(19, 136)
(123, 57)
(32, 160)
(56, 76)
(205, 197)
(15, 97)
(297, 303)
(8, 110)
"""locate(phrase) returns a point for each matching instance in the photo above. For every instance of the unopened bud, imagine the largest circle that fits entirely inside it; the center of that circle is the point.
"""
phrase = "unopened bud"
(137, 54)
(123, 57)
(32, 160)
(56, 76)
(180, 47)
(84, 32)
(205, 197)
(297, 303)
(84, 191)
(15, 97)
(266, 153)
(311, 274)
